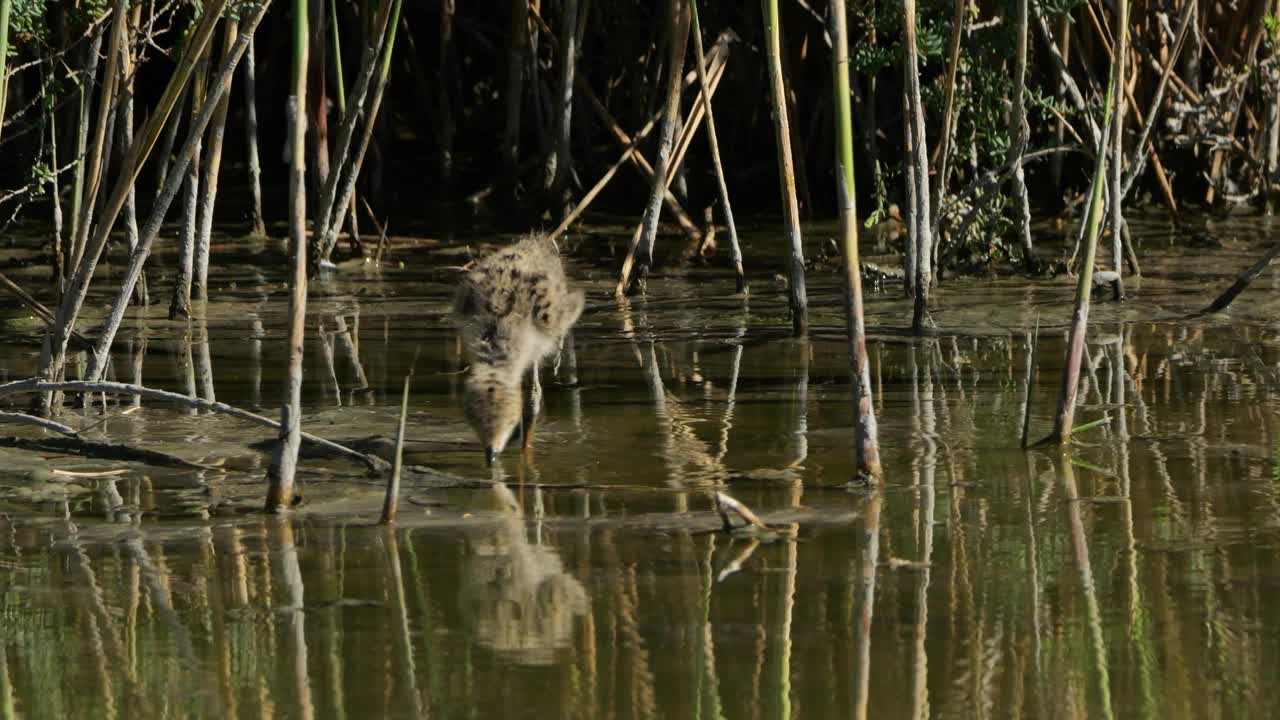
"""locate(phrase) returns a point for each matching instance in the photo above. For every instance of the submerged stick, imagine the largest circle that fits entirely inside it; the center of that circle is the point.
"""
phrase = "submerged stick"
(391, 504)
(725, 503)
(72, 445)
(35, 385)
(1242, 281)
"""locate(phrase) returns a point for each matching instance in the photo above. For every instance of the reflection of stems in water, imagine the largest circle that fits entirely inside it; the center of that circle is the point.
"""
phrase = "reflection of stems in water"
(1080, 545)
(96, 611)
(1033, 577)
(204, 362)
(870, 559)
(708, 680)
(186, 364)
(291, 576)
(403, 643)
(788, 609)
(139, 357)
(326, 352)
(1033, 342)
(348, 347)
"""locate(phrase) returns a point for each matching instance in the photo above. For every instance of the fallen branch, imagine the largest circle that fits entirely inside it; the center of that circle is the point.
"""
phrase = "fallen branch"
(1242, 282)
(25, 419)
(99, 449)
(35, 385)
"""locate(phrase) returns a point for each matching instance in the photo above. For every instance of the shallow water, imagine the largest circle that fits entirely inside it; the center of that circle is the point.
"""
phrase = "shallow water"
(1133, 576)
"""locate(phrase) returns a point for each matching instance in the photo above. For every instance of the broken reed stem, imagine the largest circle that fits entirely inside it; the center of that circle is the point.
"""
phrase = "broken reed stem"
(630, 153)
(722, 184)
(391, 504)
(53, 353)
(35, 385)
(1140, 150)
(284, 462)
(798, 297)
(169, 189)
(866, 442)
(641, 250)
(724, 503)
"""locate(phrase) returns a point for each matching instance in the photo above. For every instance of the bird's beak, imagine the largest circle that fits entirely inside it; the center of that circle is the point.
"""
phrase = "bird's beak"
(490, 455)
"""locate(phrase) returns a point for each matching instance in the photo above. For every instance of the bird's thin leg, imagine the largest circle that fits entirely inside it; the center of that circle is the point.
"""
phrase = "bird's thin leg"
(532, 407)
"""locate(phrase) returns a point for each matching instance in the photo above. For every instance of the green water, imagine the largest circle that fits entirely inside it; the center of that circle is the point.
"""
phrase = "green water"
(1133, 576)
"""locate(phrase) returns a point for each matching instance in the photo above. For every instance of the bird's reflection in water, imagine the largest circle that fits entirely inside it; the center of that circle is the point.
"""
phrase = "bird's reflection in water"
(515, 594)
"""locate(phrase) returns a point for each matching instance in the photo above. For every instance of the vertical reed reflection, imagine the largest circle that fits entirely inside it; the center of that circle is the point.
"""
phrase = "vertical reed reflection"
(1080, 548)
(282, 538)
(870, 559)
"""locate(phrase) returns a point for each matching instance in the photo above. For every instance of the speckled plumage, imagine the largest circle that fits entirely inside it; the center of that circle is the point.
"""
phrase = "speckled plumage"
(513, 308)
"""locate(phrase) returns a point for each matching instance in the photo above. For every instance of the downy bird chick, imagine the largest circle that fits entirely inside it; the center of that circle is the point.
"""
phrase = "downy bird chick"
(513, 308)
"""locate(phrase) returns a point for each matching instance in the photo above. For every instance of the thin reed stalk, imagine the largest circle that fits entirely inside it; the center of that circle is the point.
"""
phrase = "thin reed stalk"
(88, 77)
(1019, 133)
(1118, 64)
(797, 296)
(1064, 418)
(641, 252)
(921, 216)
(212, 164)
(866, 444)
(180, 302)
(96, 158)
(700, 59)
(53, 352)
(391, 503)
(343, 176)
(5, 9)
(259, 227)
(518, 37)
(128, 67)
(284, 462)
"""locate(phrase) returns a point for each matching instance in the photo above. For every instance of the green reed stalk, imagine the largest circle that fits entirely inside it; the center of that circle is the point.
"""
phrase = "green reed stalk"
(866, 444)
(4, 56)
(1064, 419)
